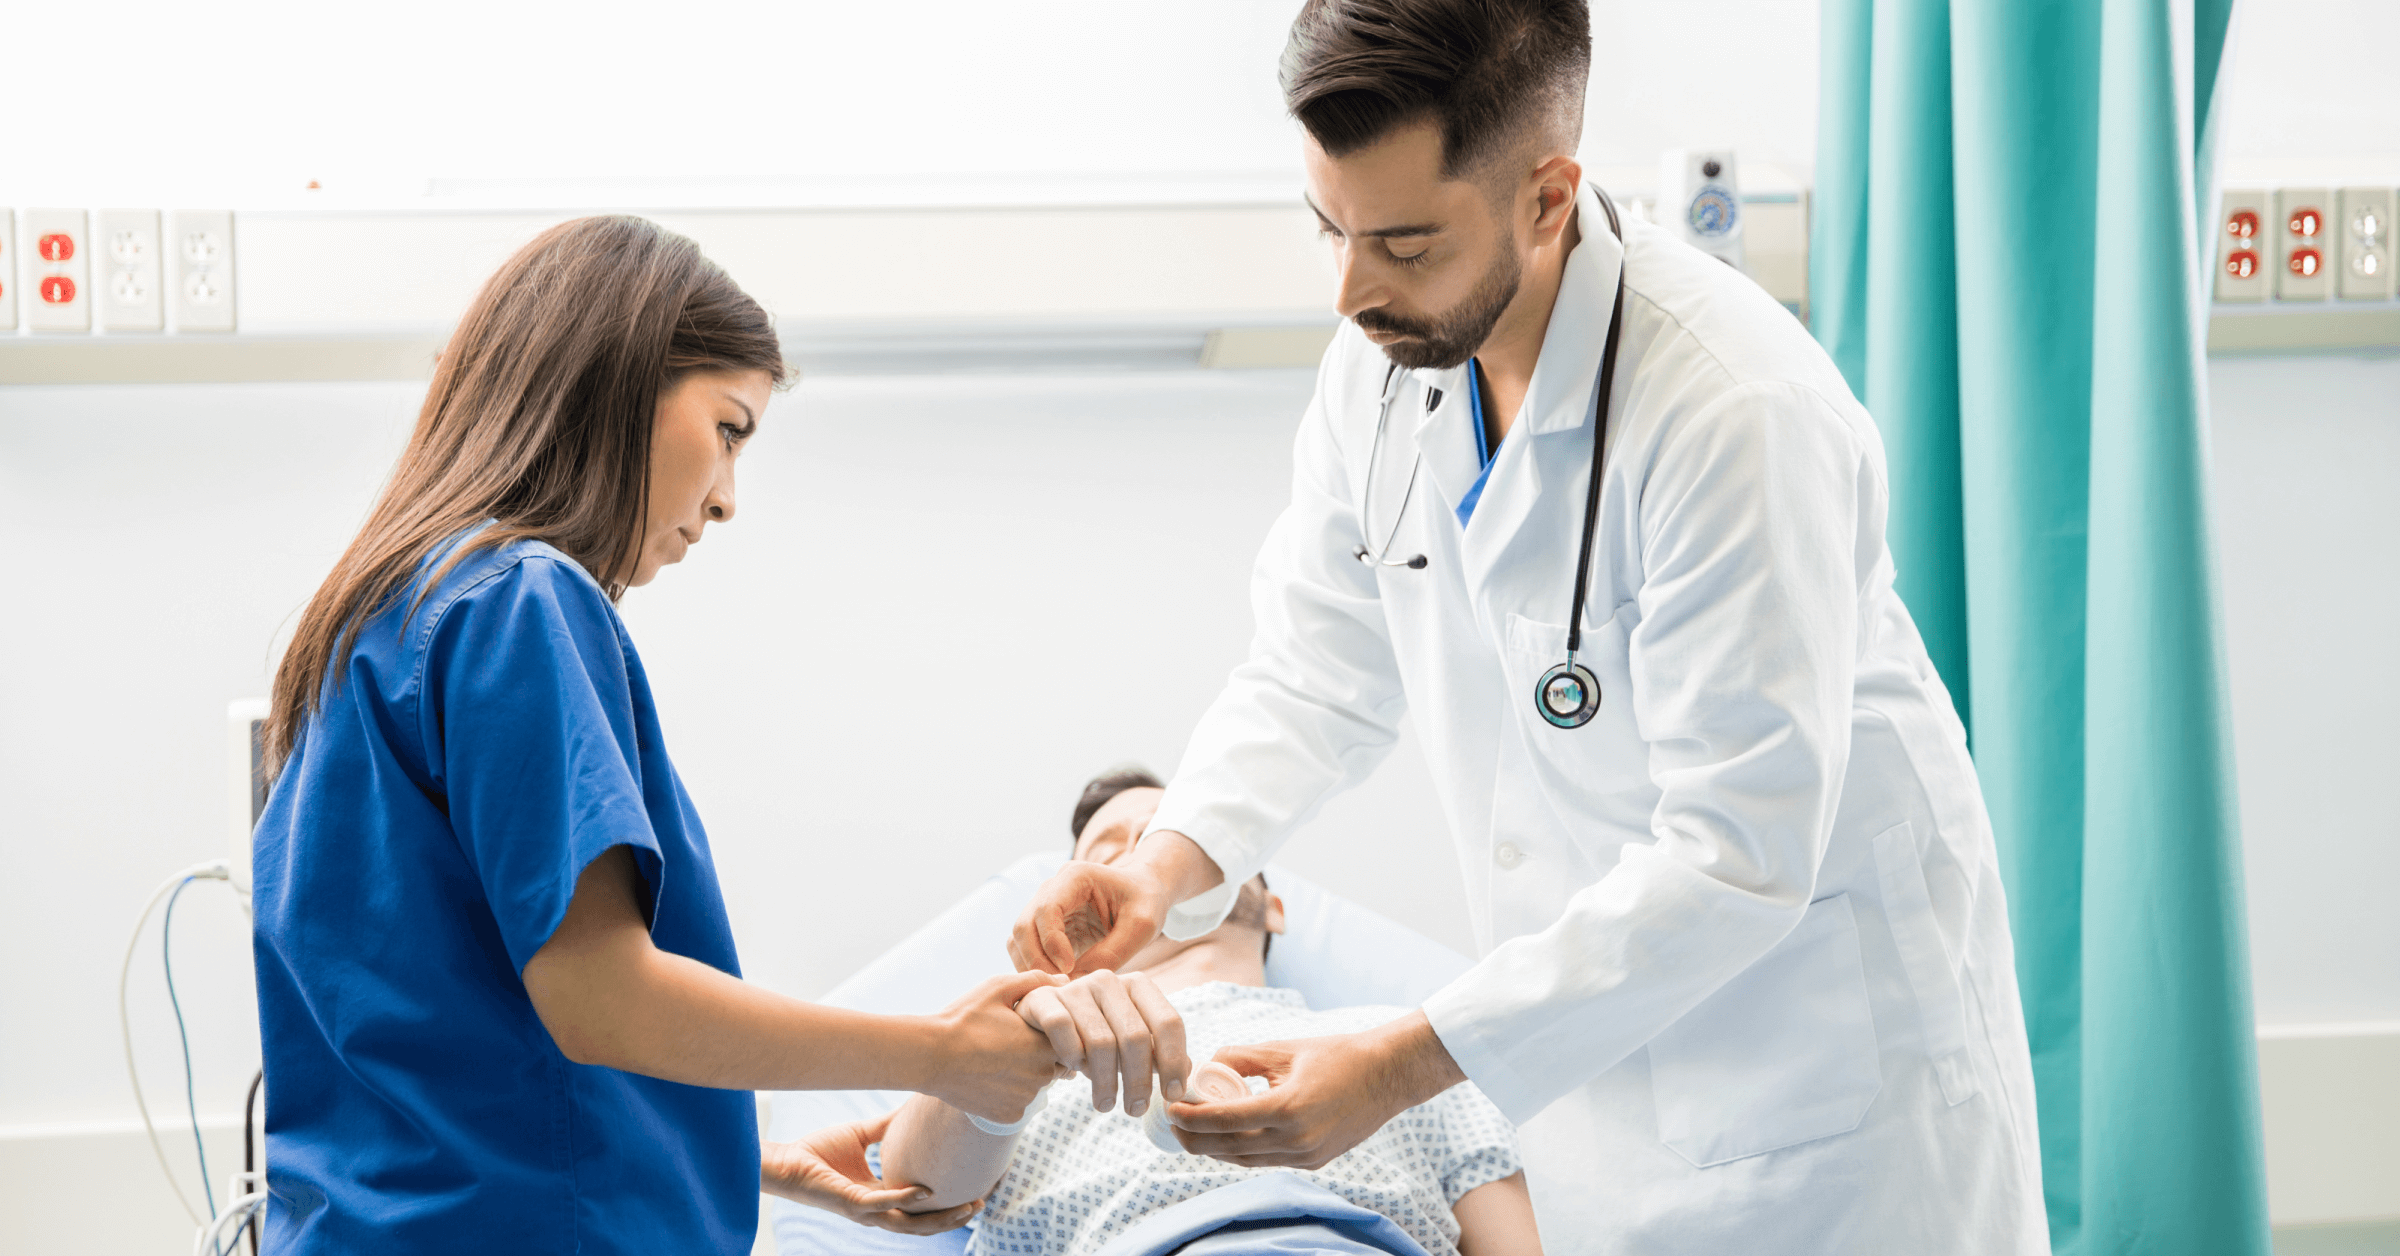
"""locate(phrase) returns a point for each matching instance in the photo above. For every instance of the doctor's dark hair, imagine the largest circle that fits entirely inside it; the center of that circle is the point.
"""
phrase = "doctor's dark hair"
(1491, 74)
(539, 417)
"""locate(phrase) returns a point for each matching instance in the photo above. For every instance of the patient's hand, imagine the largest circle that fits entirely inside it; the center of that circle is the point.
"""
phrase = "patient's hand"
(1112, 1027)
(991, 1065)
(828, 1170)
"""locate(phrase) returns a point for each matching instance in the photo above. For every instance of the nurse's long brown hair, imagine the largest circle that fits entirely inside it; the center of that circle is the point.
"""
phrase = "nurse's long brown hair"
(539, 417)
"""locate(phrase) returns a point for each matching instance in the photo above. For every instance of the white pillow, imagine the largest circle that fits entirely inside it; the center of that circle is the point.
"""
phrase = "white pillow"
(1335, 953)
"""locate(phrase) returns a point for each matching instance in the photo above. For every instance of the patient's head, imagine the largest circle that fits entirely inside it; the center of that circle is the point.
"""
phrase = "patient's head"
(1110, 817)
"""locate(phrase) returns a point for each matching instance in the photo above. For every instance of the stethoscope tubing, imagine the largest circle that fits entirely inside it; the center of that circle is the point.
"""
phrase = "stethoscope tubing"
(1567, 695)
(1366, 503)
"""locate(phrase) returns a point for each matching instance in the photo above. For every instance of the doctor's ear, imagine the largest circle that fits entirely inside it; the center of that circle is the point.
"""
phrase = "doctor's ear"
(1555, 183)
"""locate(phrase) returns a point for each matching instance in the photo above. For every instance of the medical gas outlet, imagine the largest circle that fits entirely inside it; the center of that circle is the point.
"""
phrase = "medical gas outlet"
(1700, 200)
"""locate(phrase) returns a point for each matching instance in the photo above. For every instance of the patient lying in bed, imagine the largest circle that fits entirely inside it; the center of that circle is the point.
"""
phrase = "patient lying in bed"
(1080, 1178)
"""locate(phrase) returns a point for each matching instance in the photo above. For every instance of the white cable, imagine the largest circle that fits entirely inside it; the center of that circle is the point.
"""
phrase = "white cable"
(210, 1239)
(213, 870)
(245, 1193)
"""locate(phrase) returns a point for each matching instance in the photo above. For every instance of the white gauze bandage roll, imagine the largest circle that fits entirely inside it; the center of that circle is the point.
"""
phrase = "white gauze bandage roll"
(1210, 1083)
(1041, 1100)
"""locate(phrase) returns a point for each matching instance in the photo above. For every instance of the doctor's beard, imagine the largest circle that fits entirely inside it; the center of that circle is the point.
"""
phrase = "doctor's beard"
(1449, 339)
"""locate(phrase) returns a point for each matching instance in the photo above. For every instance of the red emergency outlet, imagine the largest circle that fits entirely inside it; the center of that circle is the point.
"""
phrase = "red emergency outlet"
(2241, 263)
(57, 289)
(57, 246)
(2242, 224)
(2305, 262)
(2305, 223)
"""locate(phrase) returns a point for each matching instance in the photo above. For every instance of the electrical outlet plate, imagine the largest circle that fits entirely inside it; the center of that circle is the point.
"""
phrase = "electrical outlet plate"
(2362, 235)
(56, 270)
(2242, 224)
(128, 296)
(8, 270)
(202, 295)
(2303, 231)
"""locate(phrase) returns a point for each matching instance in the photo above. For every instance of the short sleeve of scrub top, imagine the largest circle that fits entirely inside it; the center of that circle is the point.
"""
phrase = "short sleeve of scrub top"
(481, 748)
(530, 737)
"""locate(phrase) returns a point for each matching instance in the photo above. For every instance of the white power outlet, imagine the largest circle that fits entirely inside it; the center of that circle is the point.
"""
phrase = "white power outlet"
(2362, 234)
(57, 270)
(8, 270)
(2242, 273)
(130, 298)
(1700, 200)
(2303, 244)
(202, 294)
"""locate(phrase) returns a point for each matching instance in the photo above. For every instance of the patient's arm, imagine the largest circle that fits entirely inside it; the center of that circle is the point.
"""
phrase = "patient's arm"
(933, 1145)
(828, 1170)
(1495, 1219)
(1111, 1029)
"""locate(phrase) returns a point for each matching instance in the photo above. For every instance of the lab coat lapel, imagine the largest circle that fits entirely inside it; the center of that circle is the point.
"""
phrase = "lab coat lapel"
(1446, 433)
(1548, 452)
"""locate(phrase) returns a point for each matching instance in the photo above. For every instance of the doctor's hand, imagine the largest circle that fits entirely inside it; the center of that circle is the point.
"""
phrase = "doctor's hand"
(828, 1170)
(1089, 916)
(988, 1061)
(1324, 1097)
(1108, 1027)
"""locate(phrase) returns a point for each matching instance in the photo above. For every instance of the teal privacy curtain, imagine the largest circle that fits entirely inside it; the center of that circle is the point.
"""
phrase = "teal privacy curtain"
(2008, 264)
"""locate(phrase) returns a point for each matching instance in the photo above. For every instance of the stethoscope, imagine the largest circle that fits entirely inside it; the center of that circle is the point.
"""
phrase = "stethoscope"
(1567, 695)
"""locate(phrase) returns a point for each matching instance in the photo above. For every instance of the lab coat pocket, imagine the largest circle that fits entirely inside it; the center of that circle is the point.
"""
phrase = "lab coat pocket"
(1784, 1053)
(1932, 975)
(1605, 756)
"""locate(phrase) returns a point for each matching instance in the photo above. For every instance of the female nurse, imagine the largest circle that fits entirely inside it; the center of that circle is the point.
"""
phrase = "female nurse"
(497, 986)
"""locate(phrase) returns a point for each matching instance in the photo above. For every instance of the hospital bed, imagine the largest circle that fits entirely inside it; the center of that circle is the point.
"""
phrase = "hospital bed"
(1336, 954)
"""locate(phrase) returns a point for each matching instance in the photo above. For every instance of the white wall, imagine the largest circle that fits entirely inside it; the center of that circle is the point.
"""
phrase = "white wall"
(2308, 540)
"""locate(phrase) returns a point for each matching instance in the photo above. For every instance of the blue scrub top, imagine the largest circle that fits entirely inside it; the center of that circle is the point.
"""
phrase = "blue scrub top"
(420, 846)
(1483, 444)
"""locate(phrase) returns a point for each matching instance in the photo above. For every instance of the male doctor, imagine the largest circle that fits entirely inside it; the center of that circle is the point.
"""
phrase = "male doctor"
(1746, 979)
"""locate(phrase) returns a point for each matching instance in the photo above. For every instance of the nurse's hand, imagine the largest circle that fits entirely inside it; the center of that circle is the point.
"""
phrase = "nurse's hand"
(1108, 1027)
(828, 1170)
(1324, 1097)
(1089, 916)
(987, 1060)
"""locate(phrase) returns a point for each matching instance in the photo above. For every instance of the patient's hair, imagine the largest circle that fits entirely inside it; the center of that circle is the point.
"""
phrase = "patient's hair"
(1249, 907)
(1098, 790)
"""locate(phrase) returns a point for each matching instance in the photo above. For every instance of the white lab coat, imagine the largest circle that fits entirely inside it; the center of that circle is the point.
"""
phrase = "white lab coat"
(1746, 978)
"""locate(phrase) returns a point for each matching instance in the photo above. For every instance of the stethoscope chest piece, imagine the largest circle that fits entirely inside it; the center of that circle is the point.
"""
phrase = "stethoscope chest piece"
(1568, 695)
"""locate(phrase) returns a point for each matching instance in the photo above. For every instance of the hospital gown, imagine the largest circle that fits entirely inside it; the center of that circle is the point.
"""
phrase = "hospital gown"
(1080, 1178)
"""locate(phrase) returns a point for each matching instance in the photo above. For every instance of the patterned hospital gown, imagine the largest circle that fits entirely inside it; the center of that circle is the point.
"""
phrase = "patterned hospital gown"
(1080, 1178)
